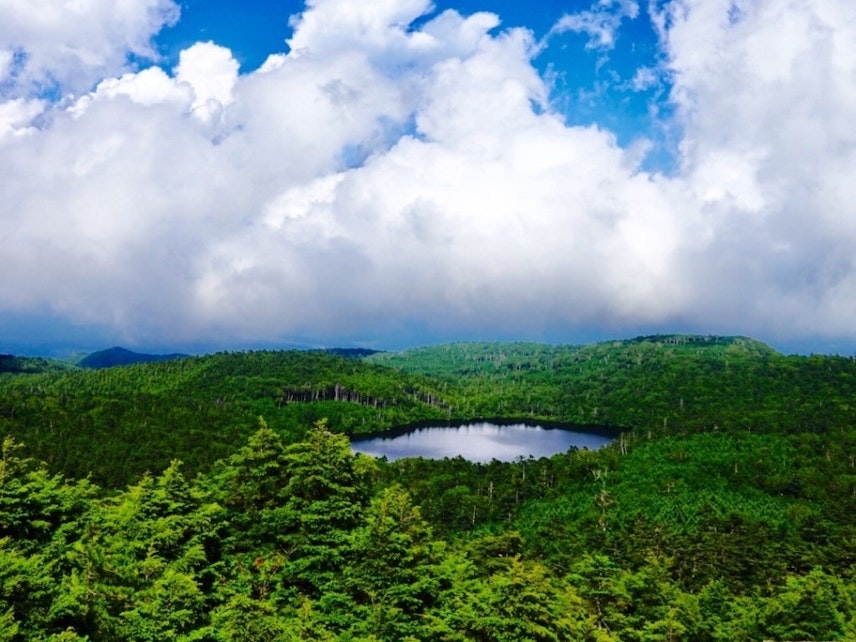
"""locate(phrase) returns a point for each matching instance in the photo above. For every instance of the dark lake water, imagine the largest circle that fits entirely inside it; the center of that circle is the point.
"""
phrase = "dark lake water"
(480, 442)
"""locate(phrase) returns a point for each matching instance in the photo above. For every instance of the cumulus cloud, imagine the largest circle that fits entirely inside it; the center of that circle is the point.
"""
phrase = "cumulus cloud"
(16, 116)
(380, 177)
(69, 46)
(767, 95)
(211, 72)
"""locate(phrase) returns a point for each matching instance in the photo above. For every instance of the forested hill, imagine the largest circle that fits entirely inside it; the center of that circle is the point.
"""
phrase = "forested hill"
(11, 364)
(660, 384)
(119, 422)
(118, 356)
(726, 512)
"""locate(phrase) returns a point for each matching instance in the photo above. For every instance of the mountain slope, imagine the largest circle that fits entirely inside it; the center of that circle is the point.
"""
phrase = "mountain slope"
(729, 517)
(661, 383)
(10, 363)
(122, 357)
(117, 423)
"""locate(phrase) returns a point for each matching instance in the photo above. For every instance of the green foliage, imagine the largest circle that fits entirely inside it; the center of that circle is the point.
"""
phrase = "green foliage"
(393, 574)
(142, 559)
(658, 384)
(810, 607)
(12, 365)
(116, 424)
(307, 541)
(519, 602)
(324, 502)
(726, 511)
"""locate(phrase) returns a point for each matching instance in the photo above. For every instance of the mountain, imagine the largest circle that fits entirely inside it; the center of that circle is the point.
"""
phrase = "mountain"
(122, 357)
(31, 365)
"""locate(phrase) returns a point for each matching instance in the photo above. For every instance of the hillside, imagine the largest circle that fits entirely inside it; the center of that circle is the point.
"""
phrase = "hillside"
(116, 423)
(122, 357)
(661, 384)
(725, 512)
(11, 364)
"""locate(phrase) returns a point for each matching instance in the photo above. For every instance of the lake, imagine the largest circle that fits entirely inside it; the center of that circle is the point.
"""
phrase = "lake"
(480, 441)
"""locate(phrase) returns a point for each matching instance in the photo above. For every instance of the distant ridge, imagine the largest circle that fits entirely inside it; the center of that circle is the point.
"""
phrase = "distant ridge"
(31, 365)
(122, 357)
(350, 353)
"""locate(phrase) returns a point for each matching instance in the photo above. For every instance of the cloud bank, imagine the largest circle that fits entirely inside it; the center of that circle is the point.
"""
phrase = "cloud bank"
(388, 180)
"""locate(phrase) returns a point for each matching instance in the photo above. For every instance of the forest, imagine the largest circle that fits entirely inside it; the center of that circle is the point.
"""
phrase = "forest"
(217, 497)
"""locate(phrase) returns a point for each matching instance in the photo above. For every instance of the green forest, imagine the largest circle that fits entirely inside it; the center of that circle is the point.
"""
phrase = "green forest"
(217, 498)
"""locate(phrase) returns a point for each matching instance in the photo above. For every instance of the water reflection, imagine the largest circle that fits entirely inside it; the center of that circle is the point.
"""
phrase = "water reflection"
(479, 442)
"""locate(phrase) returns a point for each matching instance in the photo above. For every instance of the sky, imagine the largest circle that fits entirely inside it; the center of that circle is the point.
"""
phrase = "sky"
(206, 174)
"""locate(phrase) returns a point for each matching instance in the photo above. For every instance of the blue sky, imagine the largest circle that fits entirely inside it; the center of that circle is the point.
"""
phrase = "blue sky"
(211, 175)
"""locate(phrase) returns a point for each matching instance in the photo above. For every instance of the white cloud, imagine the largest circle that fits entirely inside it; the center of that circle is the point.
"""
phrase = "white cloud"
(601, 23)
(212, 72)
(331, 26)
(151, 86)
(767, 99)
(492, 215)
(644, 78)
(17, 115)
(381, 176)
(72, 45)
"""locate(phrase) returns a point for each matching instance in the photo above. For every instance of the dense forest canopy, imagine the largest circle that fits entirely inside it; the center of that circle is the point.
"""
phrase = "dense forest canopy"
(118, 423)
(216, 498)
